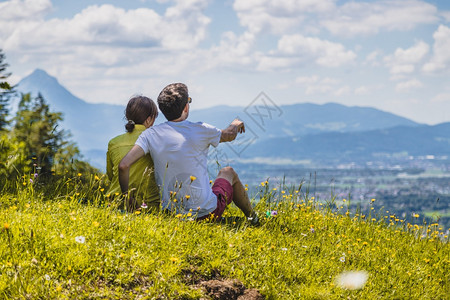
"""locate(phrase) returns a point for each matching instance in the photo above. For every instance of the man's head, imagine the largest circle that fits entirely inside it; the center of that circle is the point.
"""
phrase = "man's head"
(172, 100)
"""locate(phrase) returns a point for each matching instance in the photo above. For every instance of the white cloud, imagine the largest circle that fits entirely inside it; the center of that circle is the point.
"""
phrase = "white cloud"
(345, 90)
(403, 61)
(233, 51)
(307, 79)
(446, 15)
(22, 10)
(181, 27)
(368, 18)
(441, 53)
(372, 58)
(317, 85)
(294, 50)
(278, 16)
(325, 53)
(409, 85)
(441, 98)
(361, 91)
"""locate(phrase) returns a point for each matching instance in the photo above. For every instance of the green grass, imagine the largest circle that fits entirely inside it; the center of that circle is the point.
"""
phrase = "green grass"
(296, 254)
(435, 214)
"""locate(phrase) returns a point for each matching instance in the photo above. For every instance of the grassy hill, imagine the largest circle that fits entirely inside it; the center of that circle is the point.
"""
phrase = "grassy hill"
(66, 241)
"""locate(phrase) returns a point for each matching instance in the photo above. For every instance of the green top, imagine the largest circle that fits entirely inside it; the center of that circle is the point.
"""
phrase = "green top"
(142, 176)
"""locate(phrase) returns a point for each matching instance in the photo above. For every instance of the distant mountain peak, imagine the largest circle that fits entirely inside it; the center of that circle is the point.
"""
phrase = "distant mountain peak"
(42, 77)
(39, 73)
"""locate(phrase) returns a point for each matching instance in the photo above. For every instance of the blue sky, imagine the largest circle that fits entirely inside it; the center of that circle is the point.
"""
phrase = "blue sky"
(393, 54)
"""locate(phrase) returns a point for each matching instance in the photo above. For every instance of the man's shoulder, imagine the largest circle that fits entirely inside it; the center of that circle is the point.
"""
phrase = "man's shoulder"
(157, 127)
(202, 125)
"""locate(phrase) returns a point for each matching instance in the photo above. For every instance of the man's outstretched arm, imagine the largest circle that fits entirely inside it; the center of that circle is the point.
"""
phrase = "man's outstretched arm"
(230, 133)
(124, 166)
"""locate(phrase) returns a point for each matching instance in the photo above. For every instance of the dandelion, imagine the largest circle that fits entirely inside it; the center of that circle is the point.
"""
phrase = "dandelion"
(95, 224)
(187, 197)
(192, 178)
(353, 280)
(6, 226)
(415, 215)
(174, 259)
(80, 239)
(137, 212)
(96, 177)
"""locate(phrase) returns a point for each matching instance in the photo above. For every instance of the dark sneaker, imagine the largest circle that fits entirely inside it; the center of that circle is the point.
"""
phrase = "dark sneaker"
(254, 219)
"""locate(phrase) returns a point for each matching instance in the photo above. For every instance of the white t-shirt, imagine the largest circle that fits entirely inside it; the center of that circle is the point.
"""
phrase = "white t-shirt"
(180, 151)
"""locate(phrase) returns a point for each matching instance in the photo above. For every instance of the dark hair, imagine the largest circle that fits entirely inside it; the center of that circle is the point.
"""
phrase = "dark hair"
(172, 100)
(139, 108)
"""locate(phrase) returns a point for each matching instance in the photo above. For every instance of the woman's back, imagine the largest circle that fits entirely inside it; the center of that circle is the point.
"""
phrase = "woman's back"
(141, 113)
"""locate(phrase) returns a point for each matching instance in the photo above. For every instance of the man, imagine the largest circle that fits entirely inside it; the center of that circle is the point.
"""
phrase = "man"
(179, 150)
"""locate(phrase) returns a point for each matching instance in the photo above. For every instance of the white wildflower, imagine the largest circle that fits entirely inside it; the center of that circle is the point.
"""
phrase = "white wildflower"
(80, 239)
(352, 280)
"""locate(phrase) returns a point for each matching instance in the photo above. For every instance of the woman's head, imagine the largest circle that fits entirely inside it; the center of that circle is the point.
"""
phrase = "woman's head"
(139, 108)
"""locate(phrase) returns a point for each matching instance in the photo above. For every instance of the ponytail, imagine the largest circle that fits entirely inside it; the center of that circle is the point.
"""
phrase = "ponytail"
(130, 126)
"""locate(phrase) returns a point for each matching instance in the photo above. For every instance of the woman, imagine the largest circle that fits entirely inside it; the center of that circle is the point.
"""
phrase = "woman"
(141, 113)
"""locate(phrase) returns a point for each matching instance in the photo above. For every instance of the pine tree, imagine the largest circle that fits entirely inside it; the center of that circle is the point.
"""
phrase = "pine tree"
(37, 127)
(6, 91)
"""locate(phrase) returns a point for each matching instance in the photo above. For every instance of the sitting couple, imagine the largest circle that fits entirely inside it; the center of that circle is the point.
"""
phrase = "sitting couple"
(179, 149)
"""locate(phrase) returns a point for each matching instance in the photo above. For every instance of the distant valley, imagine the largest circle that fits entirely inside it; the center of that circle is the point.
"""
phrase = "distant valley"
(325, 133)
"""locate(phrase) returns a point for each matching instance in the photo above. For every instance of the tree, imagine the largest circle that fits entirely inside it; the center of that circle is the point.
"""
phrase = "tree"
(37, 127)
(6, 91)
(12, 160)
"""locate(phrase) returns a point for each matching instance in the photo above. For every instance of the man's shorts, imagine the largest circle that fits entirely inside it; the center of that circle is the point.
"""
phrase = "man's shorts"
(224, 191)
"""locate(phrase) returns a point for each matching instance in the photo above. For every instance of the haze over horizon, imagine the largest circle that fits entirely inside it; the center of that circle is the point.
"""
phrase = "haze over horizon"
(390, 55)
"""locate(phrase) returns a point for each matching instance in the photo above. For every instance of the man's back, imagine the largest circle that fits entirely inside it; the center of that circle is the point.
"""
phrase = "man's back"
(179, 151)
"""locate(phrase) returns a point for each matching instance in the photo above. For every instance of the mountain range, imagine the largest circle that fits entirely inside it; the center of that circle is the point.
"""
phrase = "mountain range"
(297, 131)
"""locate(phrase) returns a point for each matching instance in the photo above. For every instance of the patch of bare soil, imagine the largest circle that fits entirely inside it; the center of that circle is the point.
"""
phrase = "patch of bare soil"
(228, 289)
